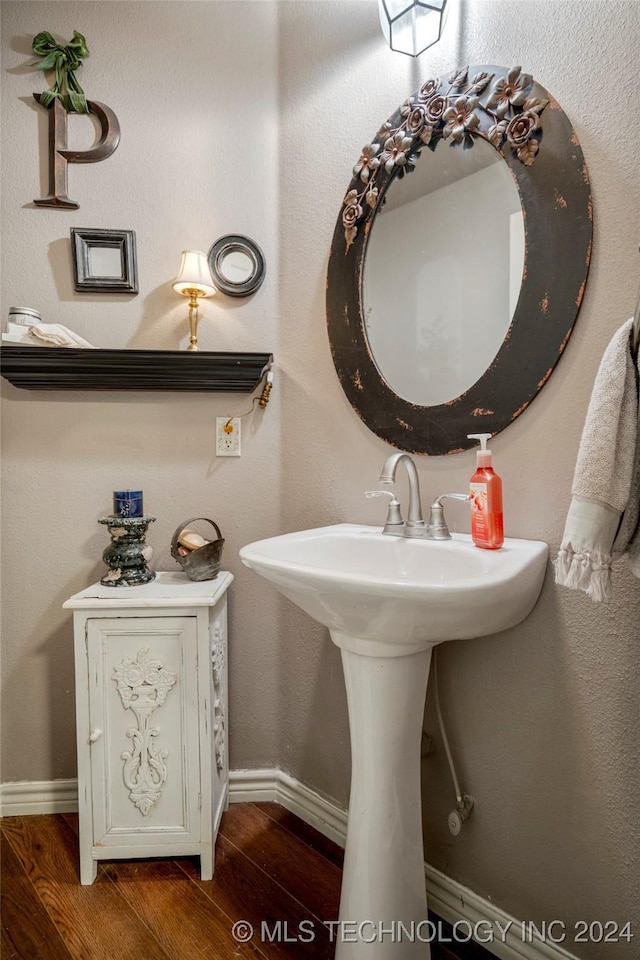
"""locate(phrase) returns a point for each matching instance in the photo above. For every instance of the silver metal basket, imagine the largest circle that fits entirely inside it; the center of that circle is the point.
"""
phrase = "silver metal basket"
(204, 562)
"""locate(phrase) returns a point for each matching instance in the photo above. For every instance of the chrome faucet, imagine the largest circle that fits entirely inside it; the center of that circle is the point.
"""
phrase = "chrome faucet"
(414, 525)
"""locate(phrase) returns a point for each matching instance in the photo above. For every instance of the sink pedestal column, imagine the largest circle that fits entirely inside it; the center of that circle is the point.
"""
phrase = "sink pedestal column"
(383, 905)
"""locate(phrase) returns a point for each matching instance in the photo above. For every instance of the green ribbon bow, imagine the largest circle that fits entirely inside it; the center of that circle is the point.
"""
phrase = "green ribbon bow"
(65, 60)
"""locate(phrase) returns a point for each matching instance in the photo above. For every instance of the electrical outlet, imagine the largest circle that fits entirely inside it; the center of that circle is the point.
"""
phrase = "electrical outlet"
(227, 437)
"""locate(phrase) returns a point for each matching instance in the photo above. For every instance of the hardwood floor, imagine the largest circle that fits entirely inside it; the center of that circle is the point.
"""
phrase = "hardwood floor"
(272, 870)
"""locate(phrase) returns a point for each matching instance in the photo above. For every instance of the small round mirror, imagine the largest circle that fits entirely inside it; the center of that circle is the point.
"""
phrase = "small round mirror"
(237, 265)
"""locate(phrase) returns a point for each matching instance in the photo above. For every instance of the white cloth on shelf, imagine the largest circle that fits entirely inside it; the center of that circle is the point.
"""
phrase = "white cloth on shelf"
(56, 335)
(605, 495)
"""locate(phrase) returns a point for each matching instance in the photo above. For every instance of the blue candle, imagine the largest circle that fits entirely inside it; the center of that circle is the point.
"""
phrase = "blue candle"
(127, 503)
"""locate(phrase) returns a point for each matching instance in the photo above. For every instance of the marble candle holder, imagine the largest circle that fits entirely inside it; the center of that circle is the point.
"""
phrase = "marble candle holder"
(128, 553)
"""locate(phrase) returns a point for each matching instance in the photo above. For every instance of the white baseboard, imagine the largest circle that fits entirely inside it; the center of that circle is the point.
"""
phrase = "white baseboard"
(447, 898)
(457, 904)
(27, 797)
(277, 786)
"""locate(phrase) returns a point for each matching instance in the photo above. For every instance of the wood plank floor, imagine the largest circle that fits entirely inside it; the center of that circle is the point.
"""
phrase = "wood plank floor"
(272, 870)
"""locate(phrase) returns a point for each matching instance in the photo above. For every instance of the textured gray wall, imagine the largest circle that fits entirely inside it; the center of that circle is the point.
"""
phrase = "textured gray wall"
(544, 719)
(194, 86)
(257, 133)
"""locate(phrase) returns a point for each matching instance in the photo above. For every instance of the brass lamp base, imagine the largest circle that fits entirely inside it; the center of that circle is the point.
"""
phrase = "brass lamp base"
(193, 319)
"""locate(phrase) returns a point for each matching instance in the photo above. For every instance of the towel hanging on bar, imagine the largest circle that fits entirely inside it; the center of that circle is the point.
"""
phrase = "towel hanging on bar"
(605, 486)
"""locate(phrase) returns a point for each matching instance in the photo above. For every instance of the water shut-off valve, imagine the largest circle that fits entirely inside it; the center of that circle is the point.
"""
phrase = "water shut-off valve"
(458, 816)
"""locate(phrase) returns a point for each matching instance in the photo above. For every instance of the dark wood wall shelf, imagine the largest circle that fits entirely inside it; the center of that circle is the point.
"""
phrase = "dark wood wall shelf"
(63, 368)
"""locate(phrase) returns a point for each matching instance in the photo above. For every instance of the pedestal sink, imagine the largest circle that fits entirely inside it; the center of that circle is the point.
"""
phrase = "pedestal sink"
(387, 601)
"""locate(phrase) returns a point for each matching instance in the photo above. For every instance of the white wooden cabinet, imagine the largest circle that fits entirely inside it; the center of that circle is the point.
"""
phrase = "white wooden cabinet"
(151, 709)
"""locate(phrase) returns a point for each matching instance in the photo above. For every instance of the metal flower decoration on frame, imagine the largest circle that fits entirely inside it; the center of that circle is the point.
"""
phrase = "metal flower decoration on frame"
(509, 117)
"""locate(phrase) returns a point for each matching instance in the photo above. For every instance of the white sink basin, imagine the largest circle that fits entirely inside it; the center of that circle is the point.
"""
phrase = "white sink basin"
(410, 594)
(387, 601)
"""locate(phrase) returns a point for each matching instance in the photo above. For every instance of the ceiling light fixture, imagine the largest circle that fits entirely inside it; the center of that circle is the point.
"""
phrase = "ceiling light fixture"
(411, 26)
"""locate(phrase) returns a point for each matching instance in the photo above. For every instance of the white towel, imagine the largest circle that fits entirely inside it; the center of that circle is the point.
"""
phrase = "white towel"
(55, 335)
(603, 482)
(628, 537)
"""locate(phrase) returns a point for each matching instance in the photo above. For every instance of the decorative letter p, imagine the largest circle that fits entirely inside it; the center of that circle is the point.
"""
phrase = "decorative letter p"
(59, 156)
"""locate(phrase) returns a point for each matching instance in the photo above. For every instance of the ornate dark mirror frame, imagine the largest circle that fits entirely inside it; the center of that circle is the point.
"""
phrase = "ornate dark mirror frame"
(534, 137)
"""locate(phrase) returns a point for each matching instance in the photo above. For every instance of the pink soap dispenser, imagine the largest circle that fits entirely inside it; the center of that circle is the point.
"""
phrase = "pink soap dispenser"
(485, 488)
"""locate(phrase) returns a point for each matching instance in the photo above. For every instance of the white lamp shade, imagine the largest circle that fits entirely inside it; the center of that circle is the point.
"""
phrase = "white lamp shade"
(411, 26)
(194, 275)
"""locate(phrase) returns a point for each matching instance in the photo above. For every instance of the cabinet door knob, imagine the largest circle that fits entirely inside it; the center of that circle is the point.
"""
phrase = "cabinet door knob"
(95, 736)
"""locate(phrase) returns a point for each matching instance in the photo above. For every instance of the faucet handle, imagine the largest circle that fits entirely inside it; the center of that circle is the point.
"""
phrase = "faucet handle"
(438, 529)
(453, 496)
(394, 522)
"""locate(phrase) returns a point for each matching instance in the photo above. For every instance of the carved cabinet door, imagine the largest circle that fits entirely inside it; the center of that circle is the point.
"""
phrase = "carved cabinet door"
(219, 687)
(143, 711)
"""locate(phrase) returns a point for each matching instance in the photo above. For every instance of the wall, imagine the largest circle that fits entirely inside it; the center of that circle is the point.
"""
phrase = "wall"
(256, 131)
(544, 719)
(194, 86)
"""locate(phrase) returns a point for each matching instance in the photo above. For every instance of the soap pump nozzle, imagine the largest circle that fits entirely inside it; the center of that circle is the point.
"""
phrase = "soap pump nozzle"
(483, 456)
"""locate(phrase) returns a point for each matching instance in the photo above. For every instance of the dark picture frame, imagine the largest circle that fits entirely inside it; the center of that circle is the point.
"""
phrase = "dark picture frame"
(104, 261)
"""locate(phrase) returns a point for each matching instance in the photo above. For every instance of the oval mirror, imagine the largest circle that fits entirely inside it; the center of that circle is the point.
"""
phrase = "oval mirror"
(452, 292)
(237, 265)
(451, 318)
